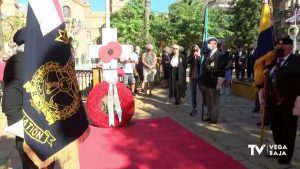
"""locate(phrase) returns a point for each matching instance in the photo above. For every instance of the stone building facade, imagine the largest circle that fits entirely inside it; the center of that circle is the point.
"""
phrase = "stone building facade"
(82, 23)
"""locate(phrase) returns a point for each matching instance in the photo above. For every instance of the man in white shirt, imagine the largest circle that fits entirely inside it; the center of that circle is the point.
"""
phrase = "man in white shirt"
(129, 62)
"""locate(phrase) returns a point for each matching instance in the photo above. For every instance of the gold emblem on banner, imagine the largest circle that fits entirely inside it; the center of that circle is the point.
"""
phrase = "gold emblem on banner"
(62, 36)
(54, 91)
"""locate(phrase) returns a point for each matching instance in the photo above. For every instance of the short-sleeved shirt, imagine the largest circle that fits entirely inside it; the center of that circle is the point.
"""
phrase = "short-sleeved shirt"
(128, 67)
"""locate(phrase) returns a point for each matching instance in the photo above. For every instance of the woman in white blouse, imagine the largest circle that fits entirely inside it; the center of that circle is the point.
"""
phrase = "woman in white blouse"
(177, 75)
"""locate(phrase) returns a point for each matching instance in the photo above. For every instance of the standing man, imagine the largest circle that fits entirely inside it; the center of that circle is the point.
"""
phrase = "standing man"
(283, 96)
(139, 68)
(165, 56)
(149, 61)
(2, 66)
(214, 72)
(12, 104)
(129, 62)
(250, 63)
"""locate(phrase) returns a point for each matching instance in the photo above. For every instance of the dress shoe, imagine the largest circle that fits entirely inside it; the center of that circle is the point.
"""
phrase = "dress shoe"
(284, 160)
(193, 112)
(207, 119)
(214, 121)
(259, 124)
(270, 156)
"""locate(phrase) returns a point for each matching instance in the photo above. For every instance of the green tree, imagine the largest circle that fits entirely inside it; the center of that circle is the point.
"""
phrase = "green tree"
(130, 23)
(161, 29)
(186, 22)
(245, 20)
(187, 19)
(219, 24)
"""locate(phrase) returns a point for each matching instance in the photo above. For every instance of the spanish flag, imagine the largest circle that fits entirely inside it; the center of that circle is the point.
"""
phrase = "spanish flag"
(54, 116)
(265, 44)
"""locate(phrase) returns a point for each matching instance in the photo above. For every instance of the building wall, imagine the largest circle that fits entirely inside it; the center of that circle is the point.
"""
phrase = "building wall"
(8, 8)
(83, 24)
(219, 3)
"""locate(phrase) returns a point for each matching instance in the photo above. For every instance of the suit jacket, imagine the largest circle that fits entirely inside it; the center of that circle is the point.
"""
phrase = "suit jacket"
(213, 68)
(12, 103)
(178, 76)
(287, 85)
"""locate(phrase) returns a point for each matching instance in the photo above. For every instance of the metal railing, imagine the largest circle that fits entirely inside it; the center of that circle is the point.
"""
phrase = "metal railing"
(85, 81)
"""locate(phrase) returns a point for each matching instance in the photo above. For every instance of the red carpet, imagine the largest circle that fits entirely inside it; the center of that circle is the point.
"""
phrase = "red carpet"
(150, 144)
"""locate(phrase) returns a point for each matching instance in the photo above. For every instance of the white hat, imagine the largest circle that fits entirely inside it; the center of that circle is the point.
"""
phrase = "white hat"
(175, 46)
(149, 46)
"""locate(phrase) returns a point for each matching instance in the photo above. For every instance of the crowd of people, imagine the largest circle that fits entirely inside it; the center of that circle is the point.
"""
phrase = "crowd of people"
(208, 71)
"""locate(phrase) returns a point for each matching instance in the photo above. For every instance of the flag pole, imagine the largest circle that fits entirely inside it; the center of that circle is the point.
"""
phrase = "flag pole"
(202, 92)
(263, 109)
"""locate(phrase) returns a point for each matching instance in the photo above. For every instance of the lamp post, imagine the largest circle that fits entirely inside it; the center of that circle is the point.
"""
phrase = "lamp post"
(107, 13)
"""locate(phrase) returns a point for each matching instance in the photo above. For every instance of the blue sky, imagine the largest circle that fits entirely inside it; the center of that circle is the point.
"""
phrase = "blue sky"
(99, 5)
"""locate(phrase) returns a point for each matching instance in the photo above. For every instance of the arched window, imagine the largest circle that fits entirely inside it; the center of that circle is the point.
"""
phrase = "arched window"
(67, 11)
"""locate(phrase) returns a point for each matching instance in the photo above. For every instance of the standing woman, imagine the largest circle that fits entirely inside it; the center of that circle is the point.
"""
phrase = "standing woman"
(177, 75)
(227, 62)
(166, 63)
(194, 74)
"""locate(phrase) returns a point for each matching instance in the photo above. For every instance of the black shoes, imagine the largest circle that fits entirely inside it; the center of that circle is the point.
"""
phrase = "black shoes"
(177, 102)
(214, 121)
(266, 123)
(194, 113)
(255, 110)
(270, 156)
(284, 160)
(207, 119)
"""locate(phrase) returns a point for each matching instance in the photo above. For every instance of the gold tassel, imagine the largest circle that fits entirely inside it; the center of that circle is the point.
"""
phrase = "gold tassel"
(66, 158)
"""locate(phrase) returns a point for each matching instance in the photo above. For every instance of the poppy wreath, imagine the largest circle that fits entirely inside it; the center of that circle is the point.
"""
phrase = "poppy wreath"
(97, 105)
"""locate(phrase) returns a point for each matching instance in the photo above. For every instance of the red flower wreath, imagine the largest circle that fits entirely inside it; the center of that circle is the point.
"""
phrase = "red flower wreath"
(97, 110)
(112, 50)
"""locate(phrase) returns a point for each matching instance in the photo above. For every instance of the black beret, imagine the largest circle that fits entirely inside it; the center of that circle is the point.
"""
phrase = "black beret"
(19, 37)
(285, 41)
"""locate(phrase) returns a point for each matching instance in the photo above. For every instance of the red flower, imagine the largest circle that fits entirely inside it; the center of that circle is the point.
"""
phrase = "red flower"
(121, 72)
(112, 50)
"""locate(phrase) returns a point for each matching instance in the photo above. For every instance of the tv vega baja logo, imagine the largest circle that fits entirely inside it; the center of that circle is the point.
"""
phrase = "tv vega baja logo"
(270, 149)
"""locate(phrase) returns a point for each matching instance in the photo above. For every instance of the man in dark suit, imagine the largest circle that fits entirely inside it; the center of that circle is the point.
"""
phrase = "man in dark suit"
(213, 77)
(12, 104)
(283, 97)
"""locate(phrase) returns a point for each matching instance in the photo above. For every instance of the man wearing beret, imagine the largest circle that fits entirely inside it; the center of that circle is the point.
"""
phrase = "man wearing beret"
(282, 97)
(12, 104)
(213, 77)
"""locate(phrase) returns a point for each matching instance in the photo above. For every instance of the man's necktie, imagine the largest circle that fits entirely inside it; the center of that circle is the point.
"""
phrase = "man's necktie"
(275, 72)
